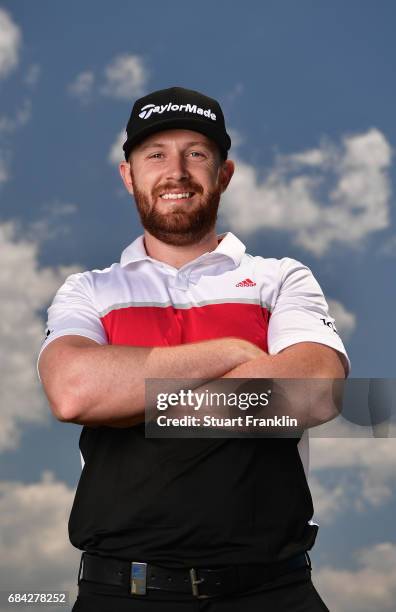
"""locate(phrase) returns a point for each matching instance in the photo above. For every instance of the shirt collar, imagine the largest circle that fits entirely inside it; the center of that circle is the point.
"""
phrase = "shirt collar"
(229, 247)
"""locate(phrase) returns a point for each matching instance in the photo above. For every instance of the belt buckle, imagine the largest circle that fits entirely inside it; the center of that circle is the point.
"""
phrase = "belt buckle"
(194, 584)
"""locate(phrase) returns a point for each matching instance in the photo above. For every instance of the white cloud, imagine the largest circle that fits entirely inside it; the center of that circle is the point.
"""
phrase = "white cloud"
(82, 86)
(35, 552)
(332, 194)
(25, 290)
(116, 154)
(328, 501)
(10, 42)
(345, 320)
(125, 77)
(372, 586)
(363, 474)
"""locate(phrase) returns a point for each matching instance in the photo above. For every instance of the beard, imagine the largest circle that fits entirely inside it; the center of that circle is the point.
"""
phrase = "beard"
(186, 223)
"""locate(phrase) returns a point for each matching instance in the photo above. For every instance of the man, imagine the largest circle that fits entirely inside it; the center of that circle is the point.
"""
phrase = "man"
(196, 523)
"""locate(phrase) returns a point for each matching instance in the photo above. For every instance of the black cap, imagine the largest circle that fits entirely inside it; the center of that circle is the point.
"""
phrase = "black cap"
(176, 107)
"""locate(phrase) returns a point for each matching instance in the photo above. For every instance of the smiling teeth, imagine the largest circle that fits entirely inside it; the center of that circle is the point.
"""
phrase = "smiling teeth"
(175, 196)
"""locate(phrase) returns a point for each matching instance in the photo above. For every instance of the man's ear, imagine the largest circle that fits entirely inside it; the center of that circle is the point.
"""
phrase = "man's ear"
(125, 171)
(226, 171)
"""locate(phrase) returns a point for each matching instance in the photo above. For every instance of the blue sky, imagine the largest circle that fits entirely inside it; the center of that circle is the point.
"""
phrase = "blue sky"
(308, 93)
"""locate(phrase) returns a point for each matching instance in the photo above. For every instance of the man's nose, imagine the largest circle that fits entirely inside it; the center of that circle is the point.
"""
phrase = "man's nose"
(177, 168)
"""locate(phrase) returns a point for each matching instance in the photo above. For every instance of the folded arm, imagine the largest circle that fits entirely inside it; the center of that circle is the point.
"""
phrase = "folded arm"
(91, 384)
(311, 390)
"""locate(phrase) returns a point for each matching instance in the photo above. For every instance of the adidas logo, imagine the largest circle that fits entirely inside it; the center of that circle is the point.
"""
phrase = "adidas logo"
(246, 283)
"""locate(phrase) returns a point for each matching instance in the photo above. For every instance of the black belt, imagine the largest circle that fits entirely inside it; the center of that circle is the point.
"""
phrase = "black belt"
(139, 577)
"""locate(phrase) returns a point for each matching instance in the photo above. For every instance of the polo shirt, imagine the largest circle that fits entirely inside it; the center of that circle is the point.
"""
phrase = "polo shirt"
(135, 494)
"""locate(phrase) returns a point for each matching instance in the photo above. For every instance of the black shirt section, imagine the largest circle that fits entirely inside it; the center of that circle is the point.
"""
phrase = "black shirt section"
(190, 502)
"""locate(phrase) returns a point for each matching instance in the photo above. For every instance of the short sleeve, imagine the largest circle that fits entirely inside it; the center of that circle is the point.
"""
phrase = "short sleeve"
(300, 312)
(73, 312)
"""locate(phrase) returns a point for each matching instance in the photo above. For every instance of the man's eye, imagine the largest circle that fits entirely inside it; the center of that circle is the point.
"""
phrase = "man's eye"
(197, 153)
(154, 154)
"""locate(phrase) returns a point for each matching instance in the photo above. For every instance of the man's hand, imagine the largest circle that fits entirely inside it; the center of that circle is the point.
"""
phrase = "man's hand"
(310, 400)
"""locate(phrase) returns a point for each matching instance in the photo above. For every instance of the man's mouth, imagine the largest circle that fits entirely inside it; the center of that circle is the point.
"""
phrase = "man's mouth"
(175, 195)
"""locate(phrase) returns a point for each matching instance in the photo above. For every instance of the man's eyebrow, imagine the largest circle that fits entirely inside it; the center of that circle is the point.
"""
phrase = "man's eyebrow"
(151, 144)
(198, 142)
(160, 144)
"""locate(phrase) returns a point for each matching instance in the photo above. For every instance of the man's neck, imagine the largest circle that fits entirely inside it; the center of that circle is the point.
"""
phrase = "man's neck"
(178, 256)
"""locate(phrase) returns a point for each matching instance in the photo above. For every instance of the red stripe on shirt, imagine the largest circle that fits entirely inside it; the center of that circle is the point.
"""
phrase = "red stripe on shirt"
(169, 326)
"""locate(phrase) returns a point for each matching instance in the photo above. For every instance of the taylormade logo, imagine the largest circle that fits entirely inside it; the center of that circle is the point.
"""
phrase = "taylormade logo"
(149, 109)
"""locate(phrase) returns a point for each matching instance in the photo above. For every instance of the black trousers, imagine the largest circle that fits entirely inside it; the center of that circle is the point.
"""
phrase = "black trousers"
(293, 592)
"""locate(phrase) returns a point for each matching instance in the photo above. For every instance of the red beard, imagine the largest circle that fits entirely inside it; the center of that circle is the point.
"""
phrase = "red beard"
(187, 223)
